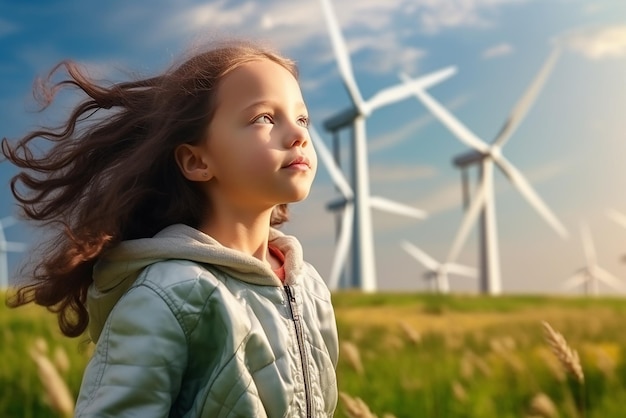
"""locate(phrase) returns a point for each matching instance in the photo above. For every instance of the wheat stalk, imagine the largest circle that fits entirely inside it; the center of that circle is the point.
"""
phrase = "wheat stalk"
(352, 355)
(542, 406)
(355, 407)
(411, 334)
(566, 355)
(57, 392)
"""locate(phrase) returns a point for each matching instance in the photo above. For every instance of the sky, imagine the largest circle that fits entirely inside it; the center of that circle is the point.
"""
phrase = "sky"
(571, 145)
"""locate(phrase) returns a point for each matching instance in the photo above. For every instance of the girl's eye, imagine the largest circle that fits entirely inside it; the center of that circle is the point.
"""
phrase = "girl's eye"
(265, 118)
(303, 121)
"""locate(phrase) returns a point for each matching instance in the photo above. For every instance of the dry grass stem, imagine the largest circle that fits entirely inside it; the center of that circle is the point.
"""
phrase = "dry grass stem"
(355, 407)
(411, 334)
(56, 390)
(542, 406)
(566, 355)
(352, 356)
(459, 392)
(61, 360)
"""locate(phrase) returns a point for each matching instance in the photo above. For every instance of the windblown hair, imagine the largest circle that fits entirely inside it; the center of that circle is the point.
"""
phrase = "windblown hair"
(113, 177)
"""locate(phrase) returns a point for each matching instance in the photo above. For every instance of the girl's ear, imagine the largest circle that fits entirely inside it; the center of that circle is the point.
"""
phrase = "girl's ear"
(191, 163)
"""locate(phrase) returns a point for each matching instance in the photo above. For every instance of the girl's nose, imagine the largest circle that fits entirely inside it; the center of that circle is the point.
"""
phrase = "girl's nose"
(299, 137)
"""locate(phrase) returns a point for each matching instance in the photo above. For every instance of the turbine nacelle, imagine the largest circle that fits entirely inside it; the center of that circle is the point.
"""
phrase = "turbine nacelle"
(488, 155)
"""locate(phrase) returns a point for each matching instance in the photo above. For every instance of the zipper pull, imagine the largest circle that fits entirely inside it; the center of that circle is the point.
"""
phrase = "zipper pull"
(292, 303)
(290, 295)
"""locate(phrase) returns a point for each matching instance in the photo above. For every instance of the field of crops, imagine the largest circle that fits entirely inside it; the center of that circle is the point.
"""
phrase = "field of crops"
(402, 355)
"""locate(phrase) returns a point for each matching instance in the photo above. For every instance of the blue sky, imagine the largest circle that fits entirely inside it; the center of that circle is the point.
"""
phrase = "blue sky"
(571, 145)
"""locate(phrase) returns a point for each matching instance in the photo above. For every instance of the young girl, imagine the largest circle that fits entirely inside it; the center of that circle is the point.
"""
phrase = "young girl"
(164, 192)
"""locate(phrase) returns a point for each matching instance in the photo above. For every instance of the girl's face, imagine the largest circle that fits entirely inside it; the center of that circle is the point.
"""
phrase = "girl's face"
(258, 148)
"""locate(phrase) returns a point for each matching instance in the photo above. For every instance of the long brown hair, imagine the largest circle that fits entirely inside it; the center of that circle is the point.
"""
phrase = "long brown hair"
(112, 176)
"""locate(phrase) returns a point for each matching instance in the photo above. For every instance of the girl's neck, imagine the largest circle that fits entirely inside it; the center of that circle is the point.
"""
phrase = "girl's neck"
(248, 234)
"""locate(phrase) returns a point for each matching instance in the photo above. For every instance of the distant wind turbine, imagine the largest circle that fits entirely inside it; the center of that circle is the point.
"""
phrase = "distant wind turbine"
(437, 273)
(590, 275)
(346, 224)
(364, 269)
(488, 155)
(5, 248)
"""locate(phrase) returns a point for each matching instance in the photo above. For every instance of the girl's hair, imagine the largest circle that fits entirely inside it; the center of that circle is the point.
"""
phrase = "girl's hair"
(112, 178)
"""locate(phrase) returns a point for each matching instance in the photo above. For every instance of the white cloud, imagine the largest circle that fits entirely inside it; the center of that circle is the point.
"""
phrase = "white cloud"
(367, 25)
(597, 43)
(498, 50)
(437, 15)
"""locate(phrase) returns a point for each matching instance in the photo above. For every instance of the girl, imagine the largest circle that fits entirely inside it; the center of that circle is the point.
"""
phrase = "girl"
(164, 206)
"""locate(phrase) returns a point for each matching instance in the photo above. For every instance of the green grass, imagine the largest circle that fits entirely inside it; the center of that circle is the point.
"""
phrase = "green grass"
(476, 356)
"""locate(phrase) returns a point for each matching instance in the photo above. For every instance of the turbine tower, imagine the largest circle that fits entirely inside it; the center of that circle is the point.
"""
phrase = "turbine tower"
(487, 156)
(364, 269)
(346, 230)
(437, 273)
(589, 276)
(5, 248)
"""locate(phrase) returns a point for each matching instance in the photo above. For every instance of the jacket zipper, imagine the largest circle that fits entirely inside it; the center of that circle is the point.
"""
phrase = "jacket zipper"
(300, 337)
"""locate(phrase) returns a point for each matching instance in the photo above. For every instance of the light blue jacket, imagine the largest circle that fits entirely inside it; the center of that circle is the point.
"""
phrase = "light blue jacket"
(186, 327)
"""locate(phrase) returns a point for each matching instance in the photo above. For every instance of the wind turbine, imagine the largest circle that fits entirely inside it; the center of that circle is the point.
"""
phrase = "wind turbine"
(487, 156)
(618, 217)
(437, 273)
(347, 203)
(6, 247)
(364, 269)
(590, 275)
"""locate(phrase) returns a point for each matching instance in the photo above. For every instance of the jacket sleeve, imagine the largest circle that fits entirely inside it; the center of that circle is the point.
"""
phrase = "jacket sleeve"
(140, 357)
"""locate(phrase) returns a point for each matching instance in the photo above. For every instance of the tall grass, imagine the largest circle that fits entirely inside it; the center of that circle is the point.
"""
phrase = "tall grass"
(404, 355)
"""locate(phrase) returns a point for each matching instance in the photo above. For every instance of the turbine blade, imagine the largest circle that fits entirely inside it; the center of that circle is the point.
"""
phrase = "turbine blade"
(408, 88)
(578, 279)
(457, 128)
(420, 255)
(343, 245)
(468, 220)
(387, 205)
(329, 162)
(462, 270)
(521, 108)
(608, 278)
(618, 217)
(341, 54)
(524, 187)
(588, 246)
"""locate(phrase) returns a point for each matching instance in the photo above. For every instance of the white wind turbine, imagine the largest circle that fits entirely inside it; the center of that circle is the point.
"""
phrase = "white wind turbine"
(437, 273)
(488, 155)
(618, 217)
(590, 275)
(364, 270)
(347, 220)
(5, 248)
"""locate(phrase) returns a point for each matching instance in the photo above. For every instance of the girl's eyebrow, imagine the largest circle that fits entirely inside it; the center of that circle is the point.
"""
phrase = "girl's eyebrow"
(272, 103)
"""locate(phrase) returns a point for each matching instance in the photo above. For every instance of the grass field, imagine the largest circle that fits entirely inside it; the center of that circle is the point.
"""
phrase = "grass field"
(402, 355)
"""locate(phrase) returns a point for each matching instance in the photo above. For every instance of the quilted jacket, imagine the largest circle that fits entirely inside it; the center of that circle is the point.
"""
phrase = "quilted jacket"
(185, 327)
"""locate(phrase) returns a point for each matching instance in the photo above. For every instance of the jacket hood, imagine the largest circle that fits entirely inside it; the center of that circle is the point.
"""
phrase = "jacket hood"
(118, 268)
